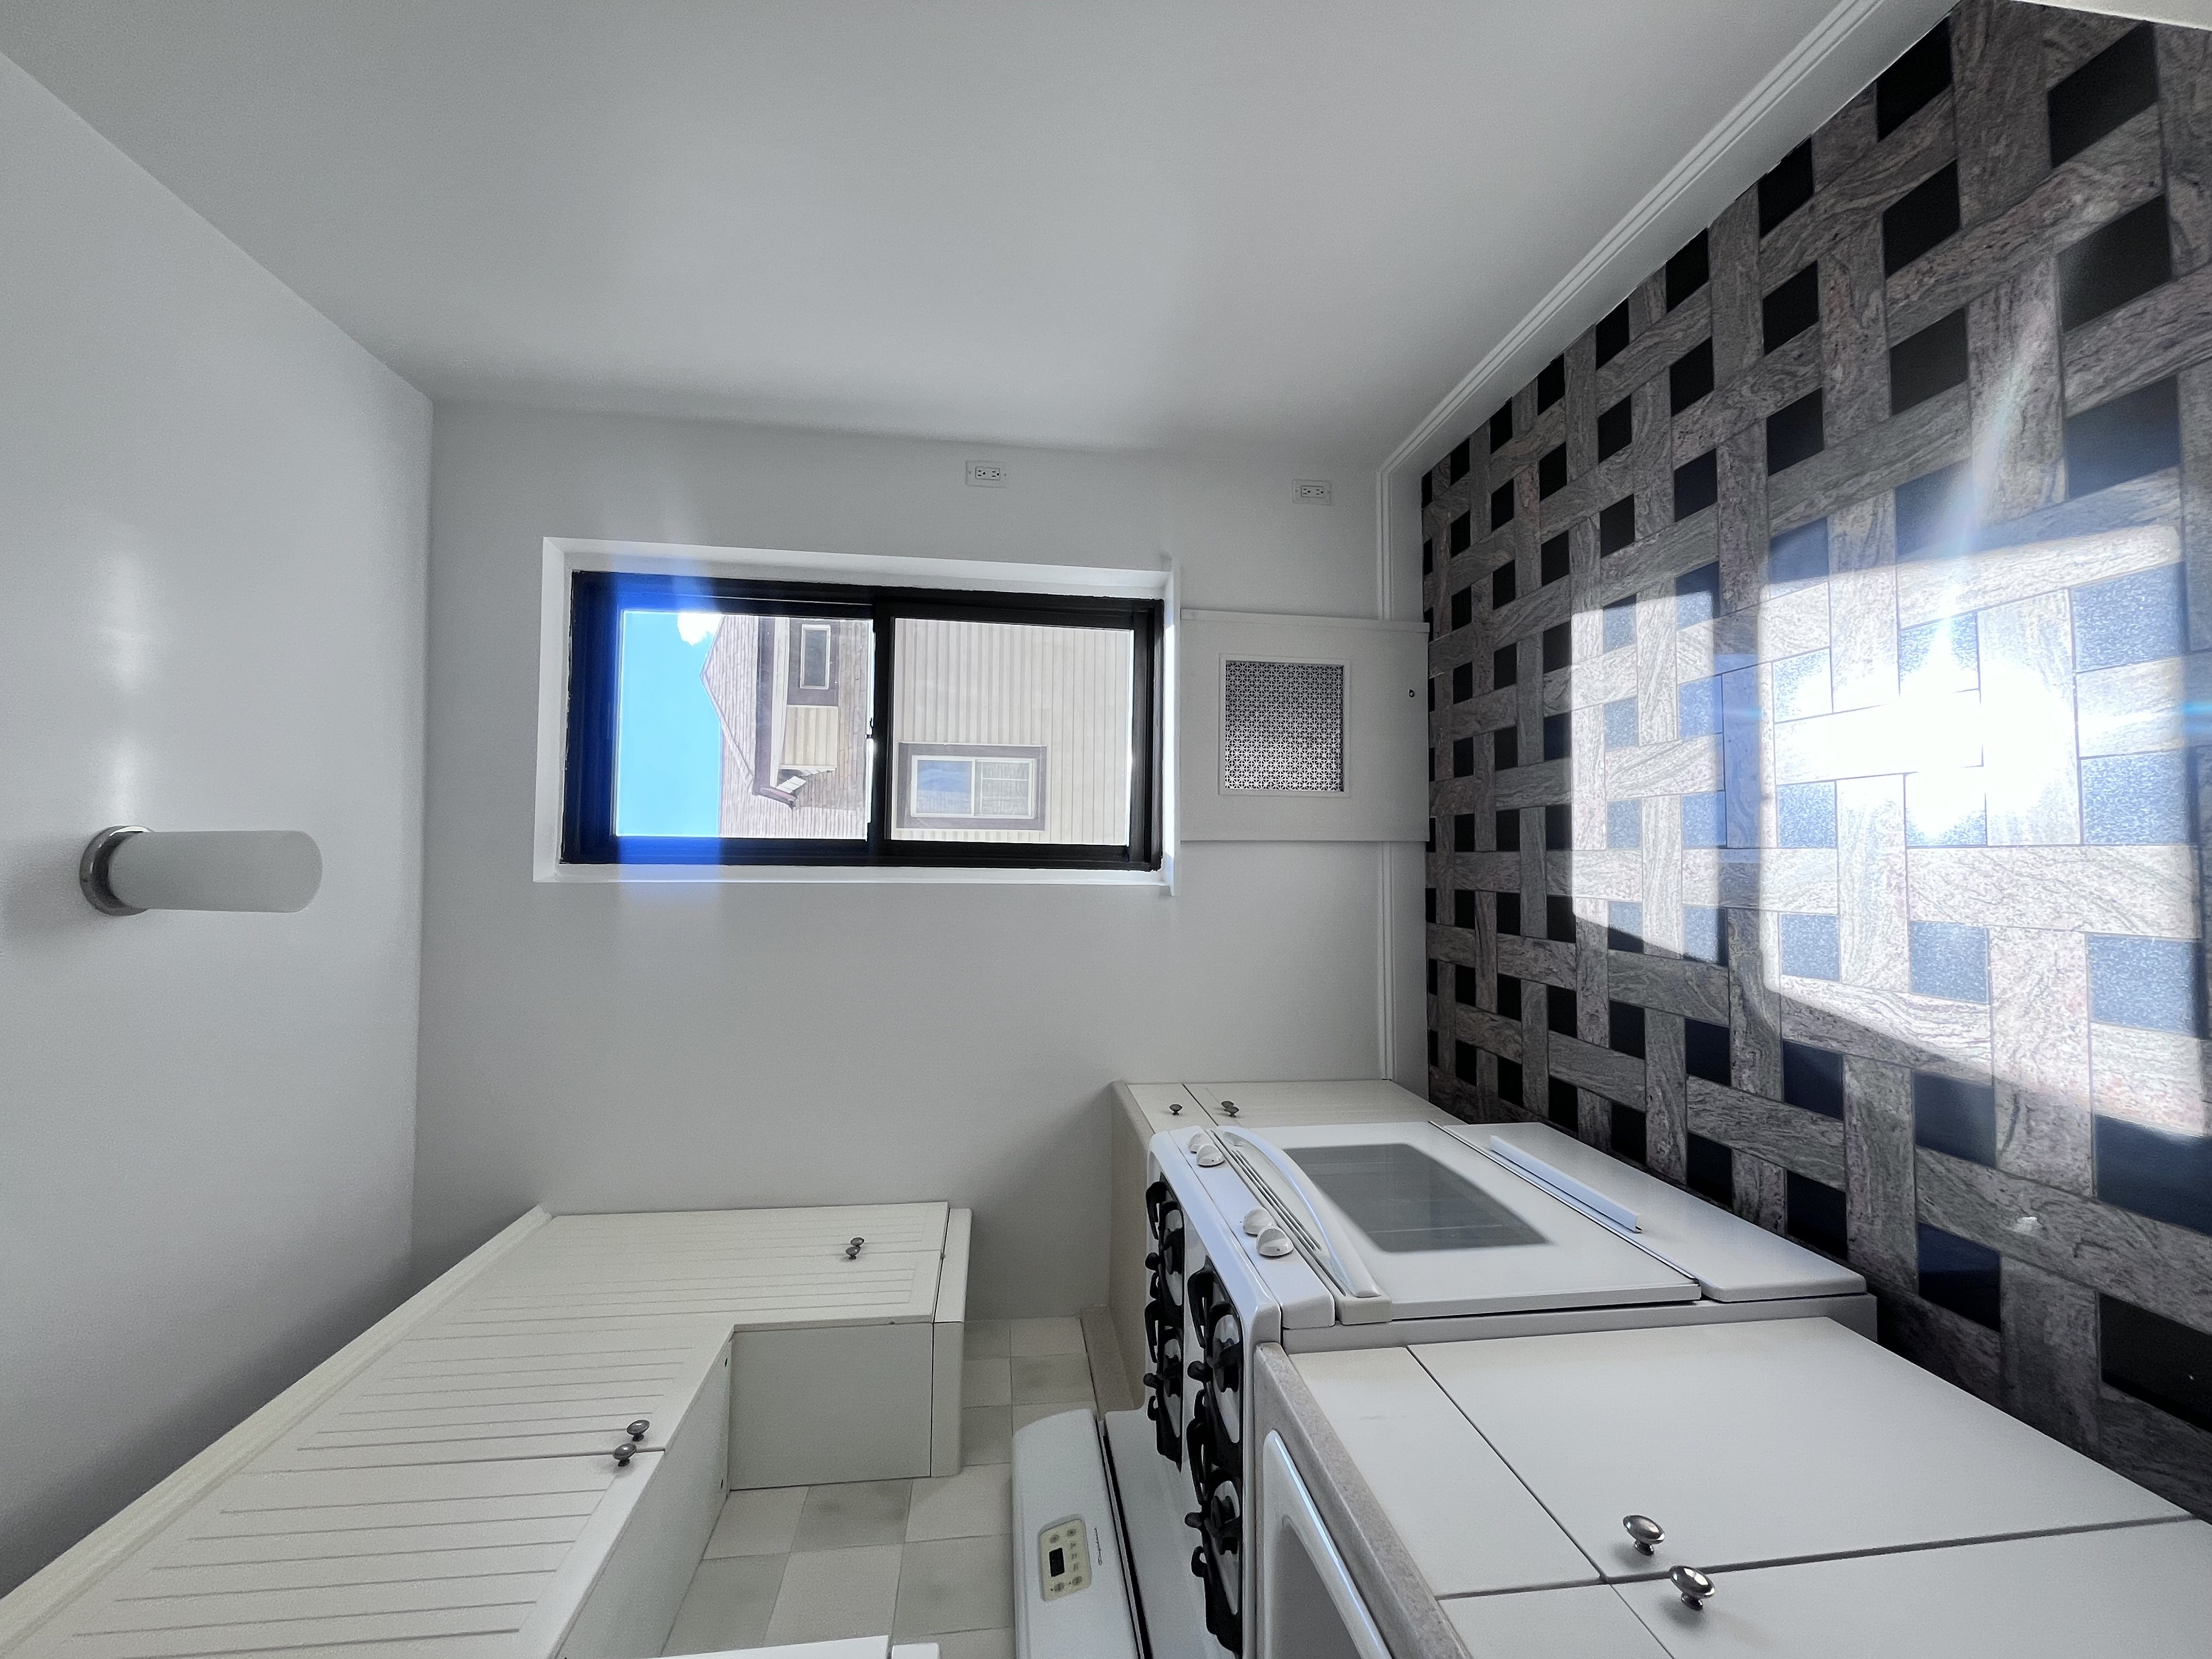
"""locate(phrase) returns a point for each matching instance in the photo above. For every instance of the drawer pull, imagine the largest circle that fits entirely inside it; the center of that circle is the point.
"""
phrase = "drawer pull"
(637, 1429)
(1693, 1586)
(1644, 1532)
(623, 1453)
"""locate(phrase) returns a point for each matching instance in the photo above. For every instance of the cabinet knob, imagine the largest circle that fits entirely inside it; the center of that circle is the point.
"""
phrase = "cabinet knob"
(637, 1429)
(1230, 1106)
(1693, 1585)
(623, 1453)
(852, 1248)
(1644, 1532)
(1175, 1108)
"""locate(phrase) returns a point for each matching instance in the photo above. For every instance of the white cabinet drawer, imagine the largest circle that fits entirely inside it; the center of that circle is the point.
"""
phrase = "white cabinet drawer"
(458, 1560)
(439, 1399)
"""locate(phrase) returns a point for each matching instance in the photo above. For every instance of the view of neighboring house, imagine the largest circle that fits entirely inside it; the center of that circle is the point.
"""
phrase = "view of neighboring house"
(1008, 732)
(1003, 732)
(794, 697)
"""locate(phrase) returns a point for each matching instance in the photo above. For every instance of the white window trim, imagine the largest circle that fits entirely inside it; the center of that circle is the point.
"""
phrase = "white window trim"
(564, 556)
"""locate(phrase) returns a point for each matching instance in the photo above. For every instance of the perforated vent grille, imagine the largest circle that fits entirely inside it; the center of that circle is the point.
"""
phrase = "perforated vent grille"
(1282, 726)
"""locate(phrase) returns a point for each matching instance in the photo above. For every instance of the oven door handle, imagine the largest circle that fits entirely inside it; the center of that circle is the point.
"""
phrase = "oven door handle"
(1360, 1300)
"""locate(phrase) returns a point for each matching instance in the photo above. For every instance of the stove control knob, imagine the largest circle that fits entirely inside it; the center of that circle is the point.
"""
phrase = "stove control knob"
(1693, 1586)
(1255, 1222)
(1199, 1371)
(1152, 1259)
(1644, 1532)
(1273, 1242)
(1206, 1151)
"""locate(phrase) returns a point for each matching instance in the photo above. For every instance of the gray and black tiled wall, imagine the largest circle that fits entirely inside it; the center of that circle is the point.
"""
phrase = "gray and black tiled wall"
(1821, 645)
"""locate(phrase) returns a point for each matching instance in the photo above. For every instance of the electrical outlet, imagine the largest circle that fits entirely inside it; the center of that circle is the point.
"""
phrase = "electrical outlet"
(989, 475)
(1312, 492)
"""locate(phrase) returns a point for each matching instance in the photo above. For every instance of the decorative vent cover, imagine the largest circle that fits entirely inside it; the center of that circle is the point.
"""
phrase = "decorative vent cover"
(1282, 726)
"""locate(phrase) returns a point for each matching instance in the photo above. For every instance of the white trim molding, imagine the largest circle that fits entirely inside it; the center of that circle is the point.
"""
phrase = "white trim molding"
(1829, 67)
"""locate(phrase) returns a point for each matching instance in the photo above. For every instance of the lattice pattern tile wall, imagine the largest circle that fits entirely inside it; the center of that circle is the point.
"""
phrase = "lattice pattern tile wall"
(1819, 653)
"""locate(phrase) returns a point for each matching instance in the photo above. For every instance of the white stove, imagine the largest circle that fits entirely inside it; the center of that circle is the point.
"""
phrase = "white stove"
(1385, 1233)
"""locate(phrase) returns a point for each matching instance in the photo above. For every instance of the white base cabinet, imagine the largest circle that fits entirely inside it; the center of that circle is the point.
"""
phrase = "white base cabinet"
(841, 1402)
(530, 1465)
(1839, 1502)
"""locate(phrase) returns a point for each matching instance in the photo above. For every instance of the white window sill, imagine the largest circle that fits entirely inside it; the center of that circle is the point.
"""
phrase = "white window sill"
(896, 875)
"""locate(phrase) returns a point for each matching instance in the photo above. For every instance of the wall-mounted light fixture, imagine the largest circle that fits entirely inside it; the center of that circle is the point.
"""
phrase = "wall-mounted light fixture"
(129, 868)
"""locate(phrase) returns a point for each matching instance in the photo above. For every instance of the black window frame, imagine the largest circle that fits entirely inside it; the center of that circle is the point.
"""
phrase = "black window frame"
(598, 598)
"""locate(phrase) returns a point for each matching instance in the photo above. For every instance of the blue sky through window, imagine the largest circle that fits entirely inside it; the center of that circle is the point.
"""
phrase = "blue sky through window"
(668, 740)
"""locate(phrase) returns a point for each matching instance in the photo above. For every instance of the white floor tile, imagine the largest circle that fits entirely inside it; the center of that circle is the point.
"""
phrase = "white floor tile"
(1020, 1417)
(987, 1382)
(831, 1592)
(986, 1435)
(983, 1338)
(954, 1584)
(728, 1606)
(975, 1644)
(853, 1513)
(759, 1522)
(976, 1503)
(1040, 1336)
(1038, 1378)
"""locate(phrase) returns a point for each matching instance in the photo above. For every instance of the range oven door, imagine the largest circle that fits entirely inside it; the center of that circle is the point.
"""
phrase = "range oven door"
(1309, 1607)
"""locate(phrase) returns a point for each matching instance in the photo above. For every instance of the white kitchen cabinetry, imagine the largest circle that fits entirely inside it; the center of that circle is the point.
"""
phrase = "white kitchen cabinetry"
(466, 1484)
(462, 1560)
(1842, 1502)
(1765, 1442)
(846, 1355)
(440, 1397)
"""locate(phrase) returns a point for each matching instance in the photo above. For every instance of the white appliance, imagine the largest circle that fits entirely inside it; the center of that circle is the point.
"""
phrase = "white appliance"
(1309, 1606)
(1385, 1233)
(1784, 1489)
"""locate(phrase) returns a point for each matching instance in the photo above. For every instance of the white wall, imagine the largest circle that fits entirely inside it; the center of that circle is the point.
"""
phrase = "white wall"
(212, 509)
(604, 1046)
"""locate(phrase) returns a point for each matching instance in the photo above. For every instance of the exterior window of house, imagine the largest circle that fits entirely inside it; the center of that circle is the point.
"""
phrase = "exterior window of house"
(814, 656)
(732, 721)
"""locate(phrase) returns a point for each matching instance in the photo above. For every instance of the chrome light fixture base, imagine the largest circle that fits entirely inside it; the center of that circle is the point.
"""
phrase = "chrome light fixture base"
(92, 871)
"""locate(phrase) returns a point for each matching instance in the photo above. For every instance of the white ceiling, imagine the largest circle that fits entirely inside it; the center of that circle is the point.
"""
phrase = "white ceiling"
(1243, 225)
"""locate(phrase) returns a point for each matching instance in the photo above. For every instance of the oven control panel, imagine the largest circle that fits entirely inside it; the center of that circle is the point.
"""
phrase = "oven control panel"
(1063, 1558)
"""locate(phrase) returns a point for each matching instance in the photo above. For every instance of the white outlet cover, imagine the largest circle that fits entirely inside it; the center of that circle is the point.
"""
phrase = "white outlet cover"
(1311, 492)
(988, 475)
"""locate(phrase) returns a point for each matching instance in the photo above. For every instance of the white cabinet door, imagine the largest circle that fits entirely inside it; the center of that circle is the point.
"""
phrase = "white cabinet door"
(1469, 1524)
(439, 1399)
(747, 1267)
(2128, 1592)
(459, 1561)
(1764, 1442)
